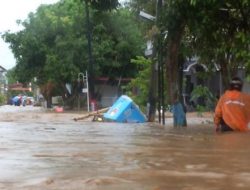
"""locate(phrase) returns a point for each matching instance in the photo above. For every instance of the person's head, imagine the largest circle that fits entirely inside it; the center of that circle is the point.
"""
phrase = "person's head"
(236, 84)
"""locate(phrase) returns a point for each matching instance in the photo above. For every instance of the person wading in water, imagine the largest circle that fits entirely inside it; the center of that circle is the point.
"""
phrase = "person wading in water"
(232, 112)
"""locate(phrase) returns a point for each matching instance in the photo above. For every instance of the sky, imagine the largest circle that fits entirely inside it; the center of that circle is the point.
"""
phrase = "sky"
(10, 12)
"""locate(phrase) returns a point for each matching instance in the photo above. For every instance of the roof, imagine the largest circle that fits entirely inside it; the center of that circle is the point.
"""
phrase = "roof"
(18, 87)
(110, 80)
(105, 79)
(2, 69)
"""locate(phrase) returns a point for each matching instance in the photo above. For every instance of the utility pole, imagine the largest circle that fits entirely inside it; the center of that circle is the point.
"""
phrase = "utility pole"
(156, 82)
(161, 102)
(157, 73)
(90, 57)
(161, 98)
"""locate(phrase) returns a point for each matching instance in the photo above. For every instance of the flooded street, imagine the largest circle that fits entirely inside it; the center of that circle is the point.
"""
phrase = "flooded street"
(45, 151)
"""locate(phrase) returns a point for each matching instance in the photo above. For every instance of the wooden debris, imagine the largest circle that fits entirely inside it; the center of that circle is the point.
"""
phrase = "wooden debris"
(90, 114)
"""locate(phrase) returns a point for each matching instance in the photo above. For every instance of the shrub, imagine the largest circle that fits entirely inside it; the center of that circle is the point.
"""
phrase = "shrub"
(3, 99)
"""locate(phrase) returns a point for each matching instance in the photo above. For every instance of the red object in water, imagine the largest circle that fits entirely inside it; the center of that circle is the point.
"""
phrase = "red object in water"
(93, 105)
(59, 109)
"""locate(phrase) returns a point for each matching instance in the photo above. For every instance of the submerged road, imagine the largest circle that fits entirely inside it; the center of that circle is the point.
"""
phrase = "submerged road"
(50, 151)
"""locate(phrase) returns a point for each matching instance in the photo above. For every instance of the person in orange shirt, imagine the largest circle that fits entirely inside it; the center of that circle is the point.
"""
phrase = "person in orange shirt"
(232, 112)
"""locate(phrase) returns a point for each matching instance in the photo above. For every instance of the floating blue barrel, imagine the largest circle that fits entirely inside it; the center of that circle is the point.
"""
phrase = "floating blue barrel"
(124, 110)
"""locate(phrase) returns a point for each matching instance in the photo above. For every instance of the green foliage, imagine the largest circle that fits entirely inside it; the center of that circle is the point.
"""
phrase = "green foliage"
(116, 40)
(53, 46)
(104, 5)
(218, 33)
(138, 88)
(203, 92)
(200, 110)
(11, 76)
(47, 42)
(3, 99)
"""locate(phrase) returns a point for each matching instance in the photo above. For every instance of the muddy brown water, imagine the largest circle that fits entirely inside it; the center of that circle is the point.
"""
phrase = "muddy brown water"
(55, 152)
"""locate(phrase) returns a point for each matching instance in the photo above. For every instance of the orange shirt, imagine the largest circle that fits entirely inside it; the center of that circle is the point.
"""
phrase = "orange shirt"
(234, 108)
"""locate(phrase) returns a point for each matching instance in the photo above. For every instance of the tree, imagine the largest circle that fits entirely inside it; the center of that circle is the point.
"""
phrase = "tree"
(52, 46)
(219, 35)
(215, 31)
(116, 41)
(104, 5)
(138, 87)
(204, 22)
(48, 48)
(11, 76)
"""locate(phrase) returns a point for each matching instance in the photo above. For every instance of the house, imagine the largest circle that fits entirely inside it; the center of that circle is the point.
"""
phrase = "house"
(109, 90)
(214, 83)
(3, 80)
(19, 87)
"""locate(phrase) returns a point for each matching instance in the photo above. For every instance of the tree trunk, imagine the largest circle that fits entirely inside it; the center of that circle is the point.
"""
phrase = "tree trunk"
(173, 72)
(49, 101)
(224, 73)
(227, 72)
(152, 94)
(172, 64)
(46, 91)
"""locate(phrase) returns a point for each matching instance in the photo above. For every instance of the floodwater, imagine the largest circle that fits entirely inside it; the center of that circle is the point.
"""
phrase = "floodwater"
(54, 153)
